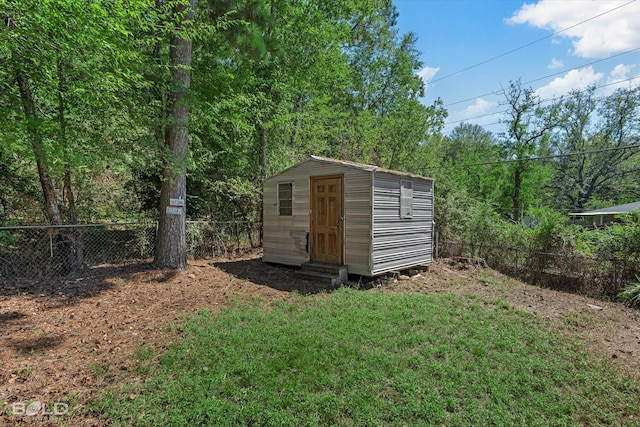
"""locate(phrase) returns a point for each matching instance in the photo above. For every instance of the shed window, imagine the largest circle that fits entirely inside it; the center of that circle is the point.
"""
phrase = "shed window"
(285, 199)
(406, 199)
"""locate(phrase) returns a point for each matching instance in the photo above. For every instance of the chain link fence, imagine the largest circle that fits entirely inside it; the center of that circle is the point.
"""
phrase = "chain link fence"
(601, 276)
(207, 239)
(37, 252)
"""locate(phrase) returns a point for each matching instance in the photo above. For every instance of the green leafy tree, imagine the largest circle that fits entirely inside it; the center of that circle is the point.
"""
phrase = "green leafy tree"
(526, 136)
(65, 67)
(598, 129)
(468, 147)
(389, 120)
(61, 76)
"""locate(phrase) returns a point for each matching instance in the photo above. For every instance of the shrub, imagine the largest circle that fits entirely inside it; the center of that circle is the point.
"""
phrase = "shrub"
(631, 294)
(623, 240)
(549, 232)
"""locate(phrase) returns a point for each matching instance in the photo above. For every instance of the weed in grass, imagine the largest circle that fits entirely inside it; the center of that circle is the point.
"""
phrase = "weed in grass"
(99, 369)
(475, 298)
(144, 352)
(72, 398)
(372, 358)
(502, 304)
(580, 319)
(26, 371)
(144, 355)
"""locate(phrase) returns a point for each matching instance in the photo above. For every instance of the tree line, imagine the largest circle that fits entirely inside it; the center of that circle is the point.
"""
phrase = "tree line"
(98, 97)
(112, 111)
(572, 154)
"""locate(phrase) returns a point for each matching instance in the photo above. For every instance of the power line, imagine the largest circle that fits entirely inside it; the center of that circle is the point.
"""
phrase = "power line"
(476, 117)
(541, 101)
(495, 92)
(501, 91)
(551, 156)
(582, 66)
(528, 44)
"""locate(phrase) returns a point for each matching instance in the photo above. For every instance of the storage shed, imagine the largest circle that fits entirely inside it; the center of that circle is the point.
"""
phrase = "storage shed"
(369, 219)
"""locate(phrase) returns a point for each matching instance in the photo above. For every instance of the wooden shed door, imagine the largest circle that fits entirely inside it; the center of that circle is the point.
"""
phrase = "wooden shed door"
(327, 218)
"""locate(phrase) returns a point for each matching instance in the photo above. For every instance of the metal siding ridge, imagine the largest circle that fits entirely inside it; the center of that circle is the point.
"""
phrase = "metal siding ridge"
(394, 244)
(357, 223)
(394, 254)
(403, 230)
(372, 223)
(393, 267)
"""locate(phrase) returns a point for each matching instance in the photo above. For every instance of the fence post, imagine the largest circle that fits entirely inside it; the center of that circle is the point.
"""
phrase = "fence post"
(237, 237)
(615, 275)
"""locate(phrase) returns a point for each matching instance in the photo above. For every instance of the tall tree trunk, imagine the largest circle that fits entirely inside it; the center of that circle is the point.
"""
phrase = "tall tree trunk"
(62, 122)
(171, 245)
(70, 240)
(65, 260)
(75, 252)
(262, 137)
(28, 104)
(262, 141)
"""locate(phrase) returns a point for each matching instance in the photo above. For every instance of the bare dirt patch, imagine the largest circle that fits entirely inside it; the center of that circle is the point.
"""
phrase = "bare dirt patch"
(64, 341)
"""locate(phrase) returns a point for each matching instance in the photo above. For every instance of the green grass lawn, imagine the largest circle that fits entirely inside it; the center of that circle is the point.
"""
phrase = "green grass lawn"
(357, 358)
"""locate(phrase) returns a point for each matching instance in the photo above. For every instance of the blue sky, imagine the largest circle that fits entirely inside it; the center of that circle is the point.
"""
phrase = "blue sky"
(457, 34)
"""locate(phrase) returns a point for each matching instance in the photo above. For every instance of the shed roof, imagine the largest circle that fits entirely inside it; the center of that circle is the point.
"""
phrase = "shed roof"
(613, 210)
(354, 165)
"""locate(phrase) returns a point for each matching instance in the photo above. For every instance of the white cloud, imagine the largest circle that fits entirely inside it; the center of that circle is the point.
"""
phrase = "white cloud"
(618, 77)
(481, 112)
(616, 31)
(481, 106)
(470, 114)
(427, 73)
(555, 63)
(621, 71)
(574, 79)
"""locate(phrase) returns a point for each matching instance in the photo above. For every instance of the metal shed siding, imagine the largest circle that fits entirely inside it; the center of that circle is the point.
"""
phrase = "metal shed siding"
(401, 242)
(285, 237)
